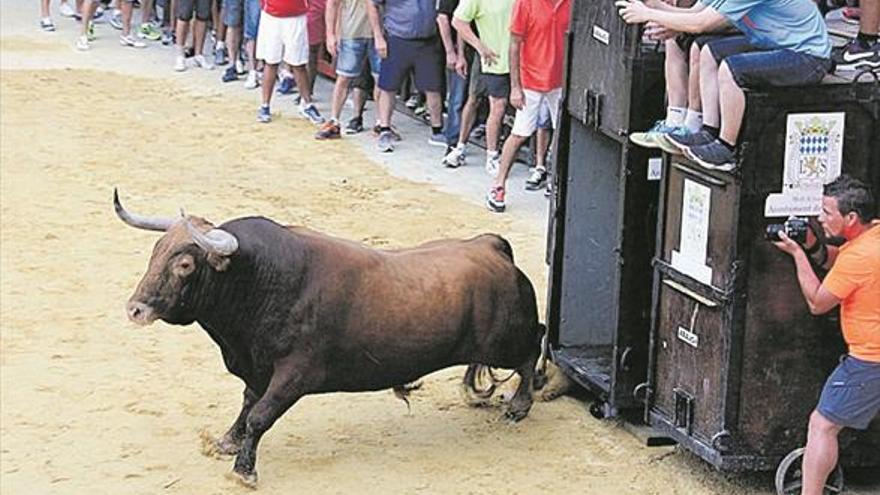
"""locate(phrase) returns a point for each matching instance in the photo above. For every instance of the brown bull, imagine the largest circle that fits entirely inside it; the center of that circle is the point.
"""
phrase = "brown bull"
(296, 312)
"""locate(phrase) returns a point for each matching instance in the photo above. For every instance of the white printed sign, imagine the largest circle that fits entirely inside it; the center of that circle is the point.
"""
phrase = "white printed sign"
(601, 35)
(690, 259)
(813, 154)
(688, 337)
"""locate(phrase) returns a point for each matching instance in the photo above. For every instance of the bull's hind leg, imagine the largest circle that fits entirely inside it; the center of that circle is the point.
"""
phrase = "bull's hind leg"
(521, 402)
(231, 441)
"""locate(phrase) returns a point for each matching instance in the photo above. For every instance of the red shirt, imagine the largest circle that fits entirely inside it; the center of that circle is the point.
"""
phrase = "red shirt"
(542, 25)
(285, 8)
(316, 27)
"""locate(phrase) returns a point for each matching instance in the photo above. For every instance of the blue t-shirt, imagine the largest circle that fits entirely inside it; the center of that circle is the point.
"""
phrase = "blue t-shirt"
(410, 19)
(772, 24)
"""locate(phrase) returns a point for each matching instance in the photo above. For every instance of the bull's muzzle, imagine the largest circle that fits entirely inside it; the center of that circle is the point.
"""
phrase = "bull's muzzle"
(140, 313)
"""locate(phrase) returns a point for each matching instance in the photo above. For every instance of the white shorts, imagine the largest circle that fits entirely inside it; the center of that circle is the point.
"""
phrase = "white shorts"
(538, 108)
(283, 38)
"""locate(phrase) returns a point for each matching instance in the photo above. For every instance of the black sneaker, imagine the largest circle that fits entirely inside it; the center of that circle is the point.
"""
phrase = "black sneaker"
(229, 75)
(855, 56)
(686, 140)
(537, 179)
(713, 156)
(354, 126)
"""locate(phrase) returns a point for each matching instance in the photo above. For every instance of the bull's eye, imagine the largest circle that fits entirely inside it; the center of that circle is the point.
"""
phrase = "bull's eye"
(184, 266)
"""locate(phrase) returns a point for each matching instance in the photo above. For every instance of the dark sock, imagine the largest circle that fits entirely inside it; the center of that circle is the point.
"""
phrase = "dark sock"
(730, 147)
(436, 129)
(383, 129)
(714, 131)
(866, 39)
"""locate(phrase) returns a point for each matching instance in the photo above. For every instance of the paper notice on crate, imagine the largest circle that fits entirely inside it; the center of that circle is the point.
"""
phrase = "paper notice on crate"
(813, 154)
(690, 258)
(655, 168)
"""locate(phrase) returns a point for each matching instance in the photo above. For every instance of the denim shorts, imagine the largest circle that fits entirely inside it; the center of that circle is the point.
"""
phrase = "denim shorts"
(353, 54)
(185, 9)
(251, 19)
(422, 56)
(851, 396)
(752, 66)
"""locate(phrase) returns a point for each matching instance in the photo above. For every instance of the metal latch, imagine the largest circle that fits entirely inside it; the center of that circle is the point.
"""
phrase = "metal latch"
(684, 410)
(593, 109)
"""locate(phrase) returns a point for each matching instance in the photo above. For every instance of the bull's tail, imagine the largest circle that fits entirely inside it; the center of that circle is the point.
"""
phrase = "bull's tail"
(480, 383)
(541, 372)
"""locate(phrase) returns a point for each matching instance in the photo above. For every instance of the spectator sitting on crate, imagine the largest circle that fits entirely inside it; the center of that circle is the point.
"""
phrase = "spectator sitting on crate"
(864, 50)
(784, 43)
(851, 396)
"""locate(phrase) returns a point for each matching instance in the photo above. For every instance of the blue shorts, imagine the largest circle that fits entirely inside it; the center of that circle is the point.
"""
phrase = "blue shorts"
(251, 19)
(422, 56)
(752, 66)
(851, 396)
(353, 54)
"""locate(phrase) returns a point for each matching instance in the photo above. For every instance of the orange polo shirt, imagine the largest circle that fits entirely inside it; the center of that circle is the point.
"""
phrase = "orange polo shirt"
(855, 280)
(542, 25)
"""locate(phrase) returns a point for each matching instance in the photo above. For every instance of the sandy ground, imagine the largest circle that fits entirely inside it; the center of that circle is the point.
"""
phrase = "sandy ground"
(91, 404)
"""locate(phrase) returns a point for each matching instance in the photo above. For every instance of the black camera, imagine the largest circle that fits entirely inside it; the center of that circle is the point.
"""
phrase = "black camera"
(795, 228)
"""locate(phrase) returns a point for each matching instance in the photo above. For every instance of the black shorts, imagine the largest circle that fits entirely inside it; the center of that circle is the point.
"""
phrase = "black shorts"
(185, 9)
(422, 56)
(482, 84)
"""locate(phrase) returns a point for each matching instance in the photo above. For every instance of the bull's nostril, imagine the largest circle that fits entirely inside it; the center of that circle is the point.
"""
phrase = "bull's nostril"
(135, 312)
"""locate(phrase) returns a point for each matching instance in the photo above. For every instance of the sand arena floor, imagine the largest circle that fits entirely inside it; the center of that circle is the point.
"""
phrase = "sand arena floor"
(90, 403)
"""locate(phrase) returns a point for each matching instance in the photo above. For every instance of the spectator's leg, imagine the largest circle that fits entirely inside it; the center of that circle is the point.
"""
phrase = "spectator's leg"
(869, 23)
(127, 9)
(270, 73)
(340, 93)
(88, 10)
(709, 89)
(44, 8)
(543, 144)
(693, 121)
(359, 100)
(233, 43)
(820, 455)
(146, 11)
(508, 153)
(435, 108)
(676, 69)
(468, 116)
(733, 105)
(301, 76)
(497, 106)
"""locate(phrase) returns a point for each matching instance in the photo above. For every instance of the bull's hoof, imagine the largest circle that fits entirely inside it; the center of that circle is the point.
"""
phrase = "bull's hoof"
(248, 480)
(515, 415)
(227, 446)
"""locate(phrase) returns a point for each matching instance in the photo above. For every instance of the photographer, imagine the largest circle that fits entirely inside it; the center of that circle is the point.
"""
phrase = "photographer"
(851, 396)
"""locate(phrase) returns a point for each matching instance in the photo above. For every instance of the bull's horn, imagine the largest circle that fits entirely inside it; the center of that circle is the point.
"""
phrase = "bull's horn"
(138, 221)
(216, 241)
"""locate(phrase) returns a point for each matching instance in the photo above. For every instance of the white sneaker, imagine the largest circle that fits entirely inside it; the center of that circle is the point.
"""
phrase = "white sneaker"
(455, 158)
(493, 161)
(66, 10)
(131, 41)
(179, 63)
(251, 81)
(202, 62)
(82, 43)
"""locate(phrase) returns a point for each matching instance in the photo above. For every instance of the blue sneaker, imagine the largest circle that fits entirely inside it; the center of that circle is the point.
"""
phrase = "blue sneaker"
(264, 116)
(664, 142)
(287, 86)
(713, 156)
(220, 57)
(310, 112)
(687, 140)
(649, 138)
(229, 75)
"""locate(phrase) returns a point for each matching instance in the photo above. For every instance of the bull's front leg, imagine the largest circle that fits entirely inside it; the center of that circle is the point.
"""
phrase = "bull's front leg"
(289, 382)
(230, 444)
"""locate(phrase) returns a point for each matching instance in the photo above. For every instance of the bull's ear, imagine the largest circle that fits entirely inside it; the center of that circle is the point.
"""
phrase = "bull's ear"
(217, 262)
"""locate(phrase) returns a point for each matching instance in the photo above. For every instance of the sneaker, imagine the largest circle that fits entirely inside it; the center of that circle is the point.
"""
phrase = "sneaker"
(220, 56)
(149, 32)
(437, 139)
(713, 156)
(479, 131)
(310, 112)
(664, 142)
(229, 75)
(286, 86)
(421, 110)
(385, 143)
(202, 62)
(493, 161)
(167, 38)
(115, 19)
(495, 199)
(688, 139)
(179, 63)
(548, 191)
(649, 138)
(412, 102)
(537, 179)
(131, 41)
(354, 126)
(239, 67)
(189, 52)
(330, 130)
(264, 116)
(455, 157)
(855, 56)
(47, 25)
(99, 14)
(66, 10)
(251, 81)
(377, 130)
(82, 43)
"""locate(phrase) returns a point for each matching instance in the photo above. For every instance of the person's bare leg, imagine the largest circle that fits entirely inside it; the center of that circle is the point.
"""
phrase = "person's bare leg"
(88, 11)
(340, 93)
(820, 455)
(435, 108)
(181, 30)
(733, 105)
(146, 11)
(543, 144)
(694, 101)
(270, 72)
(508, 153)
(493, 122)
(386, 106)
(359, 100)
(468, 117)
(127, 10)
(709, 88)
(869, 23)
(676, 70)
(250, 47)
(44, 8)
(199, 30)
(301, 76)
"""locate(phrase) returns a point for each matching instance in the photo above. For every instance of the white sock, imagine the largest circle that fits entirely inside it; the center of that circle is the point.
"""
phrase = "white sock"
(675, 116)
(461, 145)
(220, 45)
(693, 121)
(492, 154)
